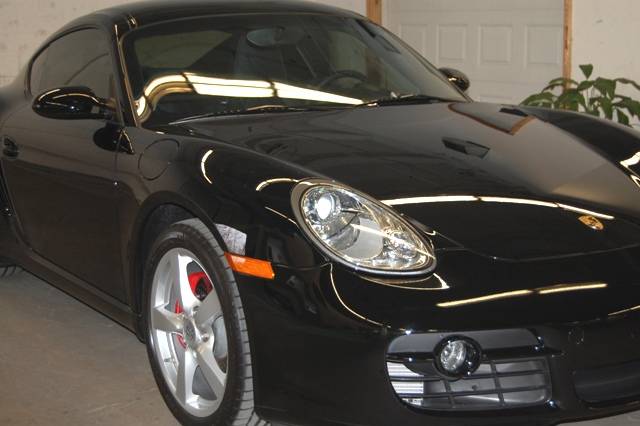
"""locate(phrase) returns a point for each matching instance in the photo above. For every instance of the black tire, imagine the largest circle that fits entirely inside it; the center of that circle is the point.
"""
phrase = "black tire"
(9, 270)
(237, 406)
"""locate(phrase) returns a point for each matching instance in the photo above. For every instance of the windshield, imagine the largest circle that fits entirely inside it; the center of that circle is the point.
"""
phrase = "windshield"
(241, 63)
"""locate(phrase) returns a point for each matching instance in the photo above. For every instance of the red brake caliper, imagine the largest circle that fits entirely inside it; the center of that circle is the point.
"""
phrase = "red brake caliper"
(200, 286)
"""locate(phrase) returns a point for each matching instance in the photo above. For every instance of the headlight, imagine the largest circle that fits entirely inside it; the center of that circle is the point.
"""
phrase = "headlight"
(359, 231)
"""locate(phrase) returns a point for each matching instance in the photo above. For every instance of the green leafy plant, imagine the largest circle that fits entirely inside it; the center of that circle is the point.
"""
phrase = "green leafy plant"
(596, 96)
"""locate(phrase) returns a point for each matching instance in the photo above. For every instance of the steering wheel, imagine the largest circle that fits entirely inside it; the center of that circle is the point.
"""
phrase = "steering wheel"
(340, 74)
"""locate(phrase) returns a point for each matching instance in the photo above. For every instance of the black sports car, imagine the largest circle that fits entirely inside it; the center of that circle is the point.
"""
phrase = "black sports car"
(307, 223)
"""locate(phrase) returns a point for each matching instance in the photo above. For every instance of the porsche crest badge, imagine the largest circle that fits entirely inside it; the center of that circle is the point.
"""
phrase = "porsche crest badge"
(592, 222)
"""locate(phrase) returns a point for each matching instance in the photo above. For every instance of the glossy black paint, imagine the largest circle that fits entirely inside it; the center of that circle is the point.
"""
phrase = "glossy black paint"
(72, 103)
(83, 199)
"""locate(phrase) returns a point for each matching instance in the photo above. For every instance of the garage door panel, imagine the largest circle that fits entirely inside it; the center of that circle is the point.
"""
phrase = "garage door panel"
(415, 36)
(452, 44)
(494, 45)
(509, 48)
(544, 46)
(463, 6)
(505, 93)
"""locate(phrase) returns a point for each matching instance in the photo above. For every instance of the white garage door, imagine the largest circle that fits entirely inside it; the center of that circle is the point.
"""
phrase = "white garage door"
(509, 48)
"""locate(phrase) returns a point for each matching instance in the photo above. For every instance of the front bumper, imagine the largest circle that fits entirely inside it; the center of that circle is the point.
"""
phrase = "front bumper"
(320, 360)
(549, 372)
(513, 372)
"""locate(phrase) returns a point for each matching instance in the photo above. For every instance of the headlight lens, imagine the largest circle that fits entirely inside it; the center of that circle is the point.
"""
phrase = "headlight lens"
(359, 231)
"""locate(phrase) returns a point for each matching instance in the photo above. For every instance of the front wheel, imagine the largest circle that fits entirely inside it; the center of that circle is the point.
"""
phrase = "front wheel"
(197, 338)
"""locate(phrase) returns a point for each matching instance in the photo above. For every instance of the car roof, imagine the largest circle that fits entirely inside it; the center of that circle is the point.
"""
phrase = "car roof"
(153, 11)
(123, 18)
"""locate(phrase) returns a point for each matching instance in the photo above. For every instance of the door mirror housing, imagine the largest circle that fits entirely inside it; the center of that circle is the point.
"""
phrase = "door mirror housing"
(457, 77)
(72, 103)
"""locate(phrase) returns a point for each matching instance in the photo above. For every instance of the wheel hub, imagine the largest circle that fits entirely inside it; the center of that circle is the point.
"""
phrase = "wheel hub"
(191, 335)
(201, 287)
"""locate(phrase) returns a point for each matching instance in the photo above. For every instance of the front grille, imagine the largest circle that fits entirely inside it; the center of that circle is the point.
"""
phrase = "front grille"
(497, 384)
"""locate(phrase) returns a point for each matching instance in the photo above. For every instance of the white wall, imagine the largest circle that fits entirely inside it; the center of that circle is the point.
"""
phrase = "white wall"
(24, 24)
(605, 34)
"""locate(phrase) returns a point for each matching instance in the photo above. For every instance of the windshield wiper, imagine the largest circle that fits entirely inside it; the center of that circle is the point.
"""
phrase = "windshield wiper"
(263, 109)
(408, 99)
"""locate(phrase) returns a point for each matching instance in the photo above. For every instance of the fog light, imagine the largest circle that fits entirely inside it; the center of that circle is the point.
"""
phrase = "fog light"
(457, 356)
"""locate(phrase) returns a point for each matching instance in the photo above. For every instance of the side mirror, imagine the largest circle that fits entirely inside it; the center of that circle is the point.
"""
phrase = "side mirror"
(456, 77)
(72, 103)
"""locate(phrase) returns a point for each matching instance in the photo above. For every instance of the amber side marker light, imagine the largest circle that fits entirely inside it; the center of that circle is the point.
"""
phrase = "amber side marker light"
(250, 266)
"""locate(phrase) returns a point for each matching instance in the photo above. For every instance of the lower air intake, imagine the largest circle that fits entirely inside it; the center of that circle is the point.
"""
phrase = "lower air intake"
(495, 385)
(608, 384)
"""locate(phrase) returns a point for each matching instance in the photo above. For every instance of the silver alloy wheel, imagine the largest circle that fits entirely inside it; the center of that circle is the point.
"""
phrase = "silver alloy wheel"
(188, 334)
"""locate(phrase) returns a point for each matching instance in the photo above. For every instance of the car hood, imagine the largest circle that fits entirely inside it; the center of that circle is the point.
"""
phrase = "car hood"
(490, 178)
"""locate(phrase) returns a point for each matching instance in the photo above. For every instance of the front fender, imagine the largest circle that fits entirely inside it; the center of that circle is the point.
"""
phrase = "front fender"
(243, 197)
(615, 141)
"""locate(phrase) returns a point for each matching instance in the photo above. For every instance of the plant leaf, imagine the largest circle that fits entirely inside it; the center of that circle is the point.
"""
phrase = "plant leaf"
(557, 80)
(606, 87)
(560, 82)
(632, 106)
(623, 118)
(551, 87)
(563, 80)
(587, 70)
(596, 97)
(571, 99)
(628, 81)
(584, 85)
(607, 106)
(540, 99)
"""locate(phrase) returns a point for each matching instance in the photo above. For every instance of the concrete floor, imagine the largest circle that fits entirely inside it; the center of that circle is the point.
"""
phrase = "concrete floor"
(61, 363)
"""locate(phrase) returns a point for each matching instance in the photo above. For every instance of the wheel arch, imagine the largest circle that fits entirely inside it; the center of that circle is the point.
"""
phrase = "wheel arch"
(156, 214)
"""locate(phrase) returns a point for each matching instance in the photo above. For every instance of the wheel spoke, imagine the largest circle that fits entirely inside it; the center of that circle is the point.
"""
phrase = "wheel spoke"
(181, 278)
(166, 321)
(220, 348)
(211, 370)
(188, 334)
(184, 380)
(209, 310)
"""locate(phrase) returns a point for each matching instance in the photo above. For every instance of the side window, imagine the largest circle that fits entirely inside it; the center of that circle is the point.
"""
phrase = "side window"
(37, 71)
(79, 59)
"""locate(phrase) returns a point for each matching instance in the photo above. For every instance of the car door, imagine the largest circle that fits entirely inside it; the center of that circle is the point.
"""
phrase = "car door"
(60, 172)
